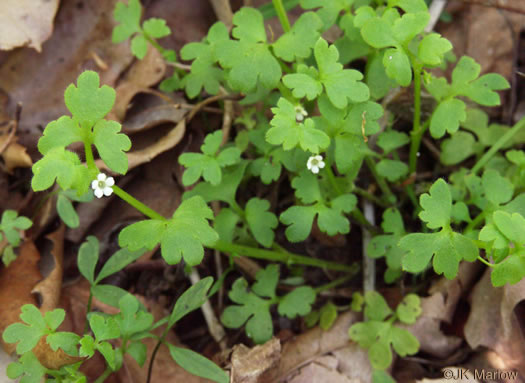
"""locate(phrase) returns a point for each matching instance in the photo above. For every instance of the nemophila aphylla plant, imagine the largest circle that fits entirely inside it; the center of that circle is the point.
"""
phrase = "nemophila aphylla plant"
(310, 119)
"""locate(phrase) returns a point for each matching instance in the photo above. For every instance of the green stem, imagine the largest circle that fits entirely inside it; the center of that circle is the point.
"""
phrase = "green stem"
(475, 222)
(498, 145)
(281, 14)
(277, 256)
(417, 130)
(147, 211)
(155, 44)
(331, 178)
(369, 196)
(104, 375)
(334, 283)
(90, 160)
(483, 260)
(381, 182)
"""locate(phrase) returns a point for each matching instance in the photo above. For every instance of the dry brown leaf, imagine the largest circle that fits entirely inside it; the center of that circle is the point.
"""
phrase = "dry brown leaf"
(26, 23)
(152, 117)
(493, 322)
(142, 74)
(16, 283)
(257, 364)
(352, 361)
(49, 289)
(139, 157)
(14, 154)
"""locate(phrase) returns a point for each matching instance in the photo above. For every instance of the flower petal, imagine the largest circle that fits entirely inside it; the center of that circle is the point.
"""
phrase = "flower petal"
(110, 181)
(101, 177)
(321, 164)
(94, 184)
(315, 169)
(99, 193)
(108, 191)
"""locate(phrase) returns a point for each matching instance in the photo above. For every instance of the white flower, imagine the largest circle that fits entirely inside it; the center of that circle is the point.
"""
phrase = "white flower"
(315, 163)
(300, 113)
(103, 185)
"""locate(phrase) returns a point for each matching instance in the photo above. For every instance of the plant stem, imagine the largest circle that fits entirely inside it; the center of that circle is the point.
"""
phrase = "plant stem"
(417, 130)
(475, 222)
(107, 372)
(281, 14)
(381, 182)
(334, 283)
(483, 260)
(147, 211)
(284, 257)
(498, 145)
(90, 160)
(88, 309)
(369, 196)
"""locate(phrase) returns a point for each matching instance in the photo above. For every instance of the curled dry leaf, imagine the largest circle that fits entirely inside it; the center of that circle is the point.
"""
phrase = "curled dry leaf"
(142, 74)
(257, 364)
(26, 23)
(503, 332)
(14, 154)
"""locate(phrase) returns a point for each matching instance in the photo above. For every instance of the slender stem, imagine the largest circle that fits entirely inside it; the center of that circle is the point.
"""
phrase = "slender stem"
(147, 211)
(369, 196)
(334, 283)
(417, 131)
(498, 145)
(483, 260)
(381, 182)
(107, 372)
(155, 44)
(90, 160)
(475, 222)
(285, 257)
(281, 14)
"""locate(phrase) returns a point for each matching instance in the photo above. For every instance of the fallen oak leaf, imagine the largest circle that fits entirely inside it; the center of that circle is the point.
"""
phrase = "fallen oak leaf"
(14, 154)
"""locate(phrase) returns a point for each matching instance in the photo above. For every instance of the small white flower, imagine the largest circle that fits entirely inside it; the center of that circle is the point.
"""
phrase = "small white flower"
(103, 185)
(300, 113)
(315, 163)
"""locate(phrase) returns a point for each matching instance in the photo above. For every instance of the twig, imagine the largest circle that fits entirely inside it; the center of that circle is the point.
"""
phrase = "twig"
(215, 327)
(369, 264)
(436, 8)
(223, 11)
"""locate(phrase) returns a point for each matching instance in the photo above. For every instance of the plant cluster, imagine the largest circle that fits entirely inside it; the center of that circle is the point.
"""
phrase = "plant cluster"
(310, 118)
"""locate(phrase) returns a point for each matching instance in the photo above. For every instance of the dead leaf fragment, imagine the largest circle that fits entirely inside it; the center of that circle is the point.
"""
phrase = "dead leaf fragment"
(14, 154)
(26, 23)
(257, 364)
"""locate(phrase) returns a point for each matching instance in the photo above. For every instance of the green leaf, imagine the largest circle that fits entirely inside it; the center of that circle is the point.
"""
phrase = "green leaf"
(67, 341)
(328, 316)
(111, 145)
(156, 28)
(403, 341)
(59, 164)
(511, 270)
(138, 351)
(87, 258)
(306, 186)
(391, 140)
(132, 319)
(117, 262)
(447, 249)
(437, 205)
(300, 220)
(304, 83)
(397, 65)
(129, 18)
(104, 328)
(108, 353)
(87, 102)
(409, 309)
(380, 354)
(187, 232)
(11, 223)
(378, 33)
(67, 212)
(87, 346)
(144, 234)
(341, 85)
(286, 131)
(59, 133)
(197, 364)
(447, 117)
(139, 46)
(298, 42)
(457, 148)
(249, 59)
(329, 9)
(190, 300)
(376, 307)
(512, 226)
(498, 189)
(298, 302)
(27, 335)
(261, 221)
(392, 170)
(266, 281)
(28, 367)
(253, 311)
(411, 6)
(108, 294)
(379, 376)
(432, 49)
(410, 25)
